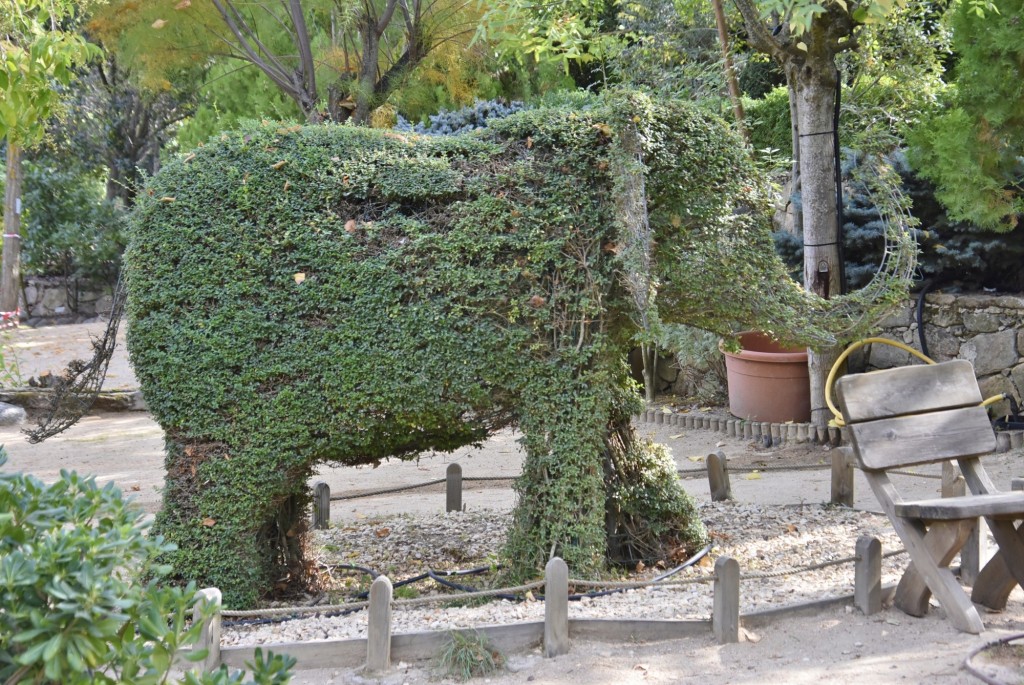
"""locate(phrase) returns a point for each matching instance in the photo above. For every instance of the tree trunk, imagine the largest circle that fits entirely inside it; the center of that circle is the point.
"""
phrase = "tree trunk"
(730, 71)
(10, 278)
(814, 83)
(367, 76)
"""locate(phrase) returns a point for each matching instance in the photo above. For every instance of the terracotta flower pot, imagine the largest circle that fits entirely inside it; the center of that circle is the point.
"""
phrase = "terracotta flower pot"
(767, 382)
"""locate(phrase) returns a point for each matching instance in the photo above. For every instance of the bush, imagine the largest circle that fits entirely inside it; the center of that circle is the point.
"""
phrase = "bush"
(77, 608)
(767, 121)
(69, 228)
(451, 123)
(305, 295)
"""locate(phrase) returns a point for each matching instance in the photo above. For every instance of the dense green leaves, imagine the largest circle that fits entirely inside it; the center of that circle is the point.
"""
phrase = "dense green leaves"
(974, 150)
(83, 602)
(300, 295)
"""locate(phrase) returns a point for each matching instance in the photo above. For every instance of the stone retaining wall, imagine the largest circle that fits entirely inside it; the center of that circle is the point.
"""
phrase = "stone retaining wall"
(986, 330)
(48, 300)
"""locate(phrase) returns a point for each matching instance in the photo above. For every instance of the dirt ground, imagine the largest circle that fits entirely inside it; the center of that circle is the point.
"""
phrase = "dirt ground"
(840, 646)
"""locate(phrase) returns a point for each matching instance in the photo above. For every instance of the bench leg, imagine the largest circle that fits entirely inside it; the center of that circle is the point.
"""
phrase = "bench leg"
(943, 540)
(1006, 568)
(946, 538)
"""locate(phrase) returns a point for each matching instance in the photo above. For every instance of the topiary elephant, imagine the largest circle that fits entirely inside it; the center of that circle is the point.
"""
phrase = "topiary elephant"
(310, 294)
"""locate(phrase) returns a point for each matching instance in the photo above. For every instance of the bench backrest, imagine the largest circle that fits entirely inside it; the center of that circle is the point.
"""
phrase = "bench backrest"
(915, 415)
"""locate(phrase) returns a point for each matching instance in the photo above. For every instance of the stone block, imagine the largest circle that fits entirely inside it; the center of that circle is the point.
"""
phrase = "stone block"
(991, 352)
(11, 415)
(886, 356)
(948, 315)
(995, 385)
(898, 317)
(942, 344)
(31, 293)
(940, 299)
(984, 321)
(1017, 377)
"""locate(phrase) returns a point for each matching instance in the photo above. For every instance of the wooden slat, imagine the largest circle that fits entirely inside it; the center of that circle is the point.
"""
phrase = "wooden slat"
(907, 390)
(1001, 505)
(923, 438)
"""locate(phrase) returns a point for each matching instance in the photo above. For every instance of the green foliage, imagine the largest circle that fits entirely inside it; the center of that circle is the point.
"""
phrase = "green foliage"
(301, 295)
(70, 228)
(973, 150)
(77, 610)
(468, 655)
(760, 76)
(661, 520)
(36, 53)
(768, 120)
(700, 362)
(577, 31)
(672, 49)
(10, 364)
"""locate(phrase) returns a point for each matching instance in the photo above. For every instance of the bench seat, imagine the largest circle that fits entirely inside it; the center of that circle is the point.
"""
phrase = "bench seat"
(1003, 505)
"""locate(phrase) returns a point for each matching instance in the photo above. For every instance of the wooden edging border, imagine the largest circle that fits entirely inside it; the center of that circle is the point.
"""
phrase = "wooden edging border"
(519, 637)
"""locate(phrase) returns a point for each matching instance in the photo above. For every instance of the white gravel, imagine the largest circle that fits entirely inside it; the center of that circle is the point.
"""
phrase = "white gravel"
(761, 538)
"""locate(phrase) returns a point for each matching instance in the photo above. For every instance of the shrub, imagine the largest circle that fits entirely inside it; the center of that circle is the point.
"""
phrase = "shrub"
(767, 121)
(69, 228)
(304, 295)
(468, 655)
(472, 117)
(77, 608)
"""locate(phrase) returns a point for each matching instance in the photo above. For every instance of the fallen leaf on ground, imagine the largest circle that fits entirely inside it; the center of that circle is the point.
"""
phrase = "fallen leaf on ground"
(753, 475)
(696, 458)
(209, 522)
(677, 436)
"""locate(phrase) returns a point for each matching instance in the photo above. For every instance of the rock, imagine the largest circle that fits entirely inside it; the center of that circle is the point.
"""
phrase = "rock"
(942, 345)
(11, 415)
(981, 321)
(884, 356)
(995, 385)
(1017, 376)
(991, 352)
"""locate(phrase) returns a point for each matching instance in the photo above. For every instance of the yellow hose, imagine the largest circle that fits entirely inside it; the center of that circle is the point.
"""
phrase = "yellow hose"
(838, 420)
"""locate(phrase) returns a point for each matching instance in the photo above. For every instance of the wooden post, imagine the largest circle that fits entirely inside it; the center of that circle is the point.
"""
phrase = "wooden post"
(556, 608)
(802, 433)
(321, 506)
(974, 552)
(842, 476)
(867, 575)
(453, 488)
(718, 477)
(209, 636)
(725, 619)
(378, 630)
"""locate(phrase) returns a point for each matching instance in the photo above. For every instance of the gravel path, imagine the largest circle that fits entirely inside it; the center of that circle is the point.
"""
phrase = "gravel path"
(763, 539)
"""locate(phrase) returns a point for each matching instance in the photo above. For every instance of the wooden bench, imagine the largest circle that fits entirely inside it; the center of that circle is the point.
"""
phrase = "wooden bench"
(926, 414)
